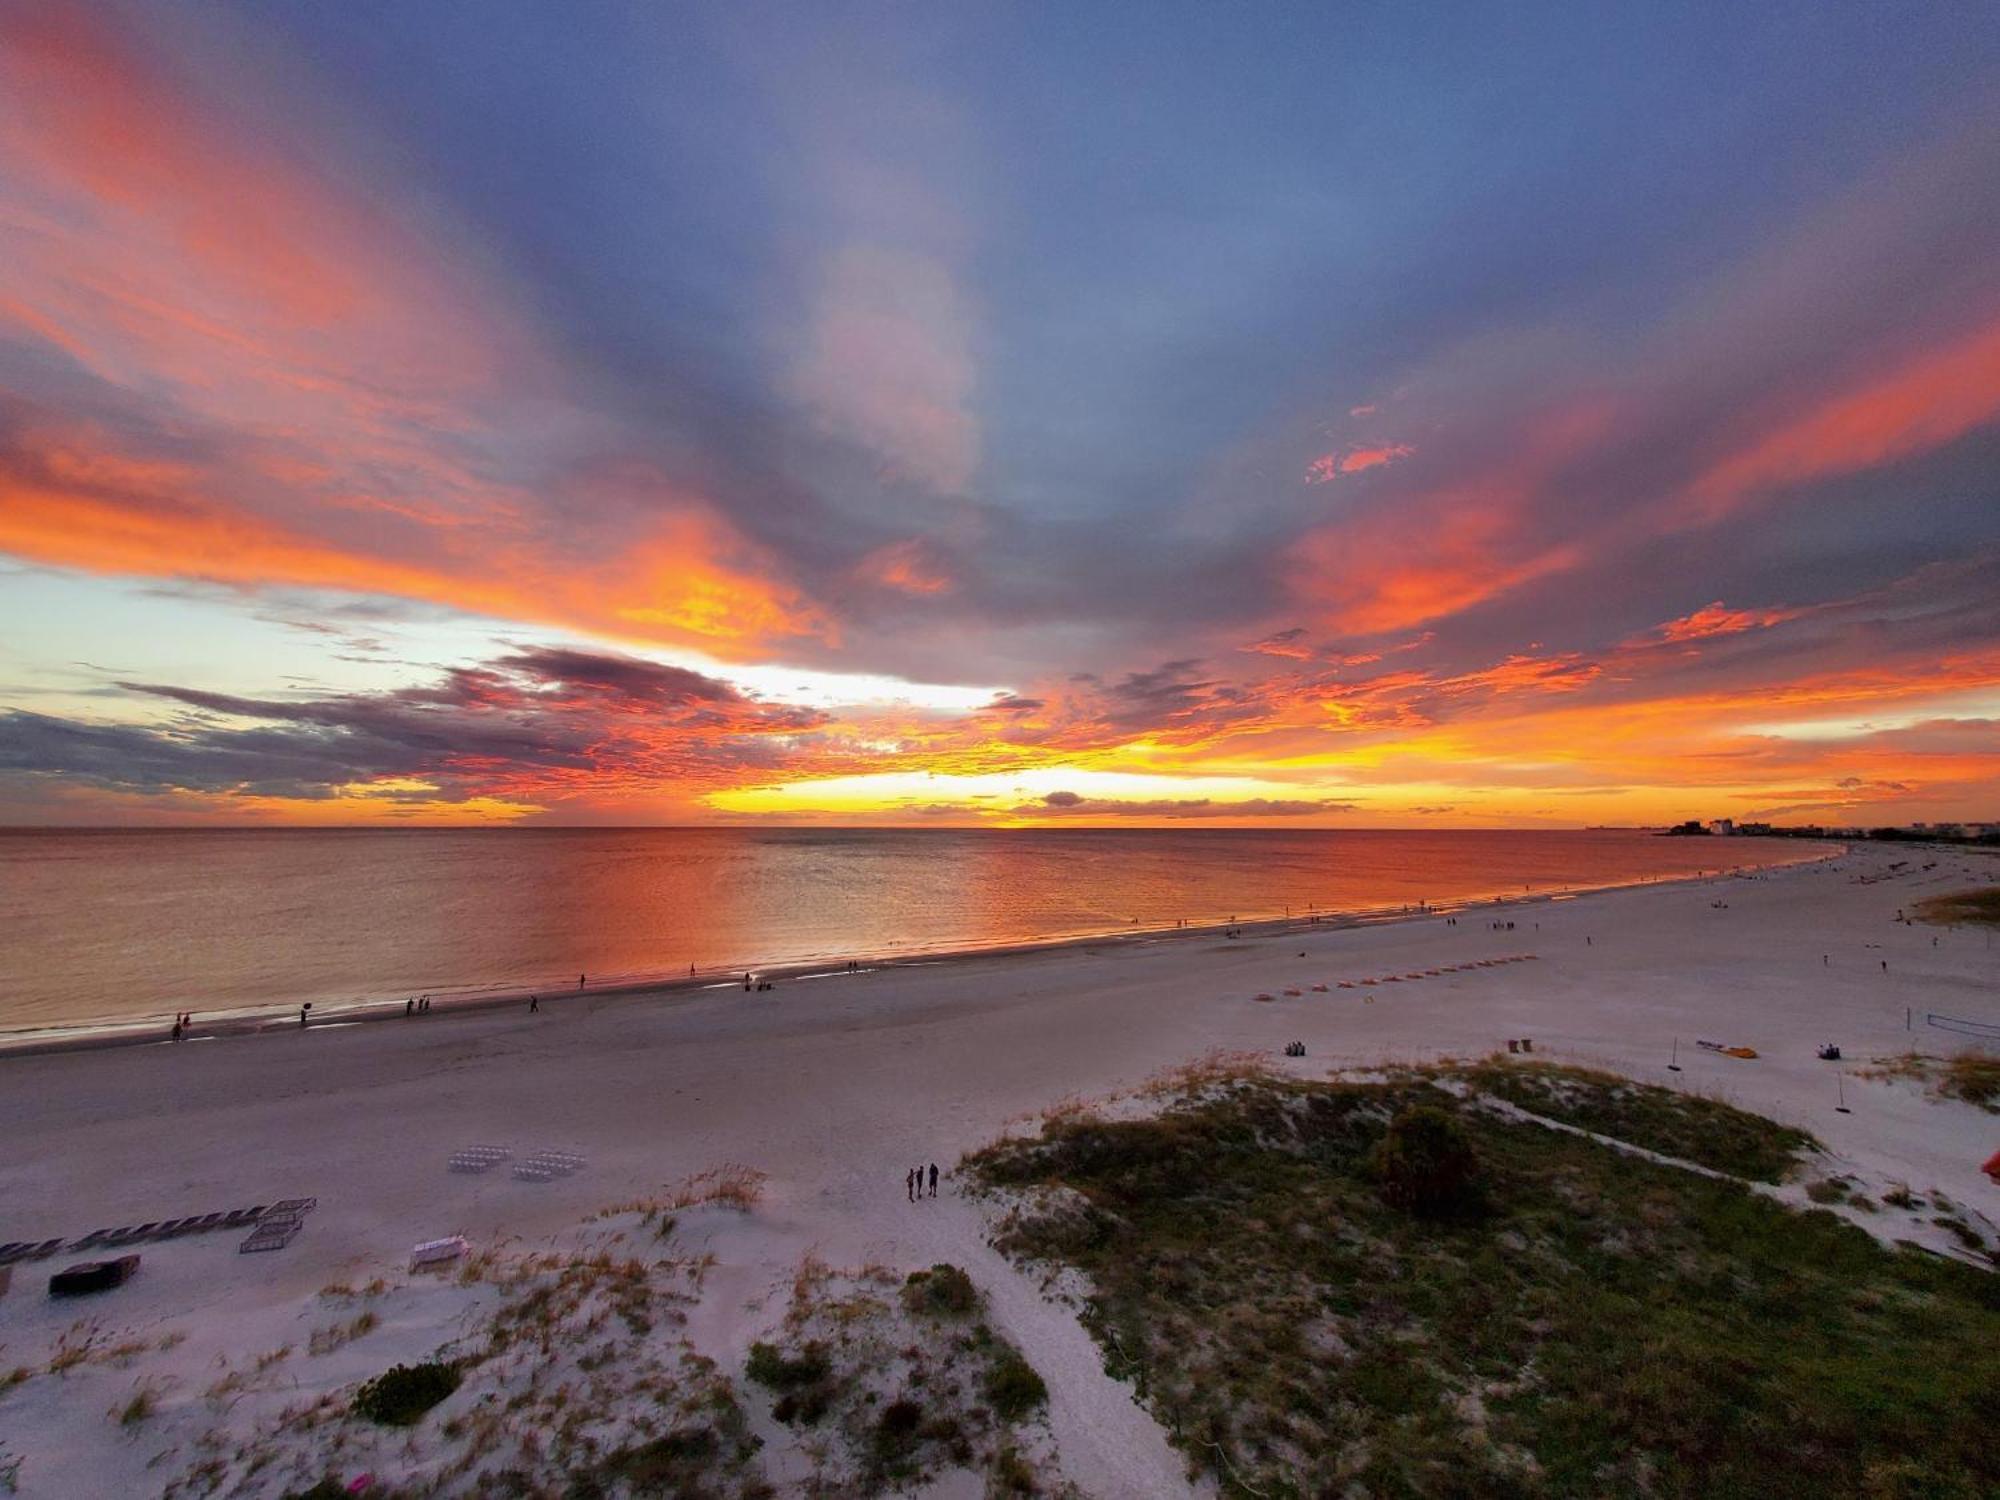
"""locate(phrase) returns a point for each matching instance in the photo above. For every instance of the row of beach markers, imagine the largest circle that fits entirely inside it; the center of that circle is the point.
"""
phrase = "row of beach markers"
(1349, 984)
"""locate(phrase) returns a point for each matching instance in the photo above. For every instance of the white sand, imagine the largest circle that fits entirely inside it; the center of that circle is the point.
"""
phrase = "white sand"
(836, 1085)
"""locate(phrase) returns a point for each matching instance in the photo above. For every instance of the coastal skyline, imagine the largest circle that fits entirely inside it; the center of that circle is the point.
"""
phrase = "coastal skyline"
(1121, 416)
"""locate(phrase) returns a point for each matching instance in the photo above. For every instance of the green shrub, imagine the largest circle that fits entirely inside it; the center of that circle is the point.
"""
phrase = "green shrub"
(1013, 1387)
(399, 1397)
(770, 1368)
(1426, 1163)
(944, 1291)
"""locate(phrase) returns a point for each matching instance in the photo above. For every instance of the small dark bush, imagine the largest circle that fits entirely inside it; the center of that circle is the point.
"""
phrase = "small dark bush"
(1013, 1387)
(770, 1368)
(944, 1291)
(1426, 1164)
(399, 1397)
(668, 1465)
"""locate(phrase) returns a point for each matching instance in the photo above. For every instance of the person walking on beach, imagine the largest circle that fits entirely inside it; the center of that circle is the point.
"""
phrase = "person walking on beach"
(910, 1184)
(409, 1008)
(534, 1004)
(933, 1179)
(579, 981)
(302, 1014)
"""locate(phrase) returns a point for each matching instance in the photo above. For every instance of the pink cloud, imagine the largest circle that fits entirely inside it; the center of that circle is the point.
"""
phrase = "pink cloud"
(1330, 466)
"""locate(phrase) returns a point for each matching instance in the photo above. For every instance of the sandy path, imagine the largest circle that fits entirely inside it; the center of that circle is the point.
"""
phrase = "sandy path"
(836, 1085)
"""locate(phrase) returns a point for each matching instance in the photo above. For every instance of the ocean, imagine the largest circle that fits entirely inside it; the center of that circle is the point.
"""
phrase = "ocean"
(103, 926)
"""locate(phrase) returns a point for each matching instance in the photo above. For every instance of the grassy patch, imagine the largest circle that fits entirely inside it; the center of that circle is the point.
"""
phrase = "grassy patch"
(1982, 907)
(1602, 1325)
(400, 1396)
(1687, 1126)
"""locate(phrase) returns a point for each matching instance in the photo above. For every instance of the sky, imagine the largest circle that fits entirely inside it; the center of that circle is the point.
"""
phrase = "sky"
(1259, 415)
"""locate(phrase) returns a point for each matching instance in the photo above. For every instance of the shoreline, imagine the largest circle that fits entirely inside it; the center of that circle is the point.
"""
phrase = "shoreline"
(825, 1096)
(282, 1017)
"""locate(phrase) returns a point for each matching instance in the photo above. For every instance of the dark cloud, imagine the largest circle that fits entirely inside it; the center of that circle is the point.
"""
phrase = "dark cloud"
(534, 725)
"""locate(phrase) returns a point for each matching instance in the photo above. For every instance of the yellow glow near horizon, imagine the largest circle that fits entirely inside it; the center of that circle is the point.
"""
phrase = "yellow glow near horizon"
(992, 792)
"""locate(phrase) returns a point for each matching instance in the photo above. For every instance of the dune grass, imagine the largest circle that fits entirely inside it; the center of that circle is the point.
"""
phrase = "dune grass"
(1587, 1323)
(1687, 1126)
(1971, 1076)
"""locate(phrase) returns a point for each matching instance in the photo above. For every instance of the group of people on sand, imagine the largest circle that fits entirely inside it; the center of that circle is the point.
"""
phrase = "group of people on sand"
(183, 1023)
(913, 1182)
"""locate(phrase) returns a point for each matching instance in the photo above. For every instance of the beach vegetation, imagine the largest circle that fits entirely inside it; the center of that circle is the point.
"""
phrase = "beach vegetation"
(400, 1395)
(138, 1408)
(944, 1291)
(1689, 1127)
(1425, 1163)
(1604, 1324)
(1014, 1387)
(334, 1335)
(731, 1185)
(1970, 1076)
(900, 1377)
(1980, 907)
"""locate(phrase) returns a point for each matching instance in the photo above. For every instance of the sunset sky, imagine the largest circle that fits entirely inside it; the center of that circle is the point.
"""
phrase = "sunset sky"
(1346, 415)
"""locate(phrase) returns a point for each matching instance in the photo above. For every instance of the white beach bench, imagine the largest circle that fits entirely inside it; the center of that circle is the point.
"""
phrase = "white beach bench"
(431, 1254)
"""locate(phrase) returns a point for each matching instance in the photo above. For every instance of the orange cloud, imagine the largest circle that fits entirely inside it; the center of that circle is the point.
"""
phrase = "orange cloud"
(1412, 559)
(908, 567)
(301, 384)
(1718, 619)
(1929, 401)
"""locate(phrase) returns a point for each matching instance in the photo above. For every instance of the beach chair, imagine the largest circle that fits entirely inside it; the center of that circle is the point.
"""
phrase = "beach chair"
(90, 1239)
(432, 1254)
(11, 1249)
(271, 1234)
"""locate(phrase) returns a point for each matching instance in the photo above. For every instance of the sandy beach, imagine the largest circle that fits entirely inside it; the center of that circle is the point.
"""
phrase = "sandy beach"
(835, 1086)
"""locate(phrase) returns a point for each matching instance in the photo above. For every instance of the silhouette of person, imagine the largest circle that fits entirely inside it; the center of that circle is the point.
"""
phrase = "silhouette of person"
(910, 1184)
(579, 981)
(534, 1004)
(933, 1179)
(410, 1007)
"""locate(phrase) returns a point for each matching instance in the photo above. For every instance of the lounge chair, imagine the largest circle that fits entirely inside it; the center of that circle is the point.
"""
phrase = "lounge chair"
(271, 1234)
(90, 1239)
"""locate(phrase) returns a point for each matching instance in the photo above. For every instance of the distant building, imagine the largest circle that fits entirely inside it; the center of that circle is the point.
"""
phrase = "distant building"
(1722, 827)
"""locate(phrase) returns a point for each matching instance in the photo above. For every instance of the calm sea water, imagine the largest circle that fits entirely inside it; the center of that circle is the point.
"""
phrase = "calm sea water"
(118, 925)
